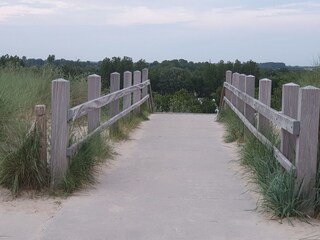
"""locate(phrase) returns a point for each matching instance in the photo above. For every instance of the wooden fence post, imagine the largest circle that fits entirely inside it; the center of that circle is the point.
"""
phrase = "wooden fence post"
(127, 82)
(41, 129)
(249, 89)
(228, 80)
(242, 88)
(235, 83)
(94, 91)
(137, 93)
(144, 78)
(307, 141)
(265, 86)
(114, 86)
(290, 94)
(60, 100)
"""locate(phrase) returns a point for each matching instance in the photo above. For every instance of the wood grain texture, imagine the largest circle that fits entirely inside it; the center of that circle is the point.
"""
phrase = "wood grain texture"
(228, 80)
(145, 77)
(41, 128)
(307, 142)
(74, 148)
(59, 130)
(242, 88)
(136, 93)
(249, 90)
(94, 91)
(82, 109)
(290, 94)
(235, 83)
(285, 163)
(114, 86)
(265, 86)
(127, 82)
(283, 121)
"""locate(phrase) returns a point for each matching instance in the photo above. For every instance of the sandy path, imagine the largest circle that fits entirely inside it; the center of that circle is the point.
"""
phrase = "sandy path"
(175, 180)
(27, 216)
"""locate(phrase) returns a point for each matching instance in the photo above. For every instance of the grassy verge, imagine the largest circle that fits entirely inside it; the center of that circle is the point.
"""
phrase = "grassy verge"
(276, 186)
(96, 150)
(83, 166)
(235, 127)
(20, 90)
(121, 131)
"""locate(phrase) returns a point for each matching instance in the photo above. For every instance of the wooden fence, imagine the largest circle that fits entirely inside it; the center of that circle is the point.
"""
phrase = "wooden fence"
(298, 122)
(133, 96)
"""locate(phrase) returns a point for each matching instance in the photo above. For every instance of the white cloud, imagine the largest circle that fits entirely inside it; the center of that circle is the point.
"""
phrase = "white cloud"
(7, 12)
(144, 15)
(110, 13)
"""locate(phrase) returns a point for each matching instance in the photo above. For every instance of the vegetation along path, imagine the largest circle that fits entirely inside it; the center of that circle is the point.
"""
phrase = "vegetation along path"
(175, 179)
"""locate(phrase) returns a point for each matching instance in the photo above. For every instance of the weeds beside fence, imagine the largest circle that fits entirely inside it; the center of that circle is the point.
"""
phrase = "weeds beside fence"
(297, 125)
(23, 160)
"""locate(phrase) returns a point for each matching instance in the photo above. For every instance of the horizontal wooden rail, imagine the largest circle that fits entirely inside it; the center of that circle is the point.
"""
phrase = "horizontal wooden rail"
(289, 124)
(284, 162)
(75, 147)
(97, 103)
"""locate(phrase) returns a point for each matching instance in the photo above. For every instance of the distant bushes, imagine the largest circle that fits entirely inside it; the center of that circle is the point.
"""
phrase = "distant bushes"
(183, 101)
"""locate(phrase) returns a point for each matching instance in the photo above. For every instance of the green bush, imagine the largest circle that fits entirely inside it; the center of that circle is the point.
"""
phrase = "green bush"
(183, 101)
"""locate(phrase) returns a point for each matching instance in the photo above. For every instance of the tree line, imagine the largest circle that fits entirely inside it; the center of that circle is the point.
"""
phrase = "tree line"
(179, 85)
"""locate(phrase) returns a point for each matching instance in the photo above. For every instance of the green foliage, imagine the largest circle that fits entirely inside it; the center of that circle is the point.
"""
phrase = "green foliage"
(11, 61)
(83, 168)
(183, 101)
(121, 131)
(116, 64)
(20, 90)
(20, 164)
(277, 187)
(235, 127)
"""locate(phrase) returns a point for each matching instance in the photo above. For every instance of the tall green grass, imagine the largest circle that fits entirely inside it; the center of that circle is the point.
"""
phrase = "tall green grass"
(83, 166)
(121, 131)
(280, 197)
(235, 127)
(20, 90)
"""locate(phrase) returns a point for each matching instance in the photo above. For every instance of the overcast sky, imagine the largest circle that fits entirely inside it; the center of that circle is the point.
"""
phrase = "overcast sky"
(198, 30)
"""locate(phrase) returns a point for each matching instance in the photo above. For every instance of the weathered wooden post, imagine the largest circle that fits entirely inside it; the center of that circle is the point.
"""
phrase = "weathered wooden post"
(228, 80)
(144, 78)
(60, 100)
(137, 93)
(249, 89)
(290, 94)
(94, 91)
(235, 83)
(114, 86)
(41, 130)
(265, 86)
(127, 82)
(242, 88)
(307, 141)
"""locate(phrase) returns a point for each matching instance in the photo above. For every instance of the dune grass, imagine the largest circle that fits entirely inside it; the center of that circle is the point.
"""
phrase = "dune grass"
(84, 165)
(121, 131)
(20, 90)
(20, 165)
(235, 127)
(280, 196)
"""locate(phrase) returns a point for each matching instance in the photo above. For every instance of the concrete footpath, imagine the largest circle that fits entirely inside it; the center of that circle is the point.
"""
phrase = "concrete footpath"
(175, 179)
